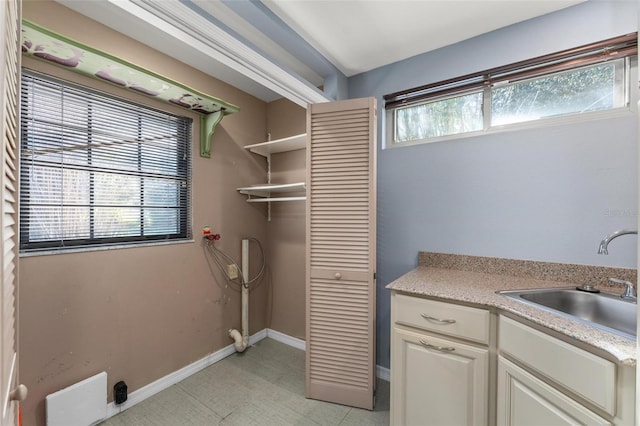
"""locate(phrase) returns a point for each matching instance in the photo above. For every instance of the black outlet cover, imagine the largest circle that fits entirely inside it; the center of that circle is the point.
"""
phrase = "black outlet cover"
(120, 392)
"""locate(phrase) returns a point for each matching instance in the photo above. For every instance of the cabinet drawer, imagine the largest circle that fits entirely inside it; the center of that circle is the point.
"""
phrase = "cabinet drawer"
(447, 318)
(585, 374)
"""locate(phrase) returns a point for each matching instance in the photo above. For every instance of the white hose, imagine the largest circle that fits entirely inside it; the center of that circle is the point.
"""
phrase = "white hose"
(222, 260)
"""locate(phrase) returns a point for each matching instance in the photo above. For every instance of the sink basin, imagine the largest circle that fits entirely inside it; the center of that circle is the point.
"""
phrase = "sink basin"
(601, 310)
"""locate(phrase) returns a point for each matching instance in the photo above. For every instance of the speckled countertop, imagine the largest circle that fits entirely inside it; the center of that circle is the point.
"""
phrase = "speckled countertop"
(443, 281)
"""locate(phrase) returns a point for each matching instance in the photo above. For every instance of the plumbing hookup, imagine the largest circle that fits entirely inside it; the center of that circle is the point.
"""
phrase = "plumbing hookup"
(226, 264)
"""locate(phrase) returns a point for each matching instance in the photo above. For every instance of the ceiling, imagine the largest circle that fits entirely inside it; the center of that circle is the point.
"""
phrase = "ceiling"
(288, 48)
(360, 35)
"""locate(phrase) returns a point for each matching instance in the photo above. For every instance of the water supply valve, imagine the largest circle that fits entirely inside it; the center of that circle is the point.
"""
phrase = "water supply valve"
(207, 233)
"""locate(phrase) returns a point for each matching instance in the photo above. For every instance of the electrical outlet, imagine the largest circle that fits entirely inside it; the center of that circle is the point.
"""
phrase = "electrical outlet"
(120, 392)
(232, 271)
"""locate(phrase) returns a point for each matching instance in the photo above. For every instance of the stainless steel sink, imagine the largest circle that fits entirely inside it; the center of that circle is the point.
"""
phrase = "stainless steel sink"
(601, 310)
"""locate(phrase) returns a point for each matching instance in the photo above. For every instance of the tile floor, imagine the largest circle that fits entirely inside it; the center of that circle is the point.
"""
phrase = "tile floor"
(262, 386)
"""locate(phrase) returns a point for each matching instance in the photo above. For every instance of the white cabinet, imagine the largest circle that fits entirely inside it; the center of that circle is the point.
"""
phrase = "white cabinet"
(544, 380)
(436, 379)
(524, 399)
(583, 373)
(460, 365)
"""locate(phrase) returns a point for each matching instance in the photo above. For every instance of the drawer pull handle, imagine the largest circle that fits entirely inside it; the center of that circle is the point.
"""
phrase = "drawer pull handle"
(437, 348)
(441, 321)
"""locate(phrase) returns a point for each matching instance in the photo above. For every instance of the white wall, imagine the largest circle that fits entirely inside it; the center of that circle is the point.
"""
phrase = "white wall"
(547, 194)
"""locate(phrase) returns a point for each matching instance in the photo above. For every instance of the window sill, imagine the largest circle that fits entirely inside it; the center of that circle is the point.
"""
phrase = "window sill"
(72, 250)
(625, 111)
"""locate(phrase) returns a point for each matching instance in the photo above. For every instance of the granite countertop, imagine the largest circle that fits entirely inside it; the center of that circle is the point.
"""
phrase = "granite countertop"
(478, 288)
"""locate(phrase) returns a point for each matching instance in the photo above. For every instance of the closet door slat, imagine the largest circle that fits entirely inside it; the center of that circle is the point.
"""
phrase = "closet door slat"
(341, 225)
(10, 12)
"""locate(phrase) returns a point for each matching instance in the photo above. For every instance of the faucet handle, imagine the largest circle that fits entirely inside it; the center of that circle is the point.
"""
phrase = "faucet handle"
(629, 290)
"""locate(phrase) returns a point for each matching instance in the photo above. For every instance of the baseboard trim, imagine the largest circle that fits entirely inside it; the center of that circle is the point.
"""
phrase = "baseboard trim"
(255, 338)
(171, 379)
(383, 373)
(286, 339)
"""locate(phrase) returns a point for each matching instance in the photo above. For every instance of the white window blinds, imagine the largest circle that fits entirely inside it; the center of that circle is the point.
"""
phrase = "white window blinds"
(99, 170)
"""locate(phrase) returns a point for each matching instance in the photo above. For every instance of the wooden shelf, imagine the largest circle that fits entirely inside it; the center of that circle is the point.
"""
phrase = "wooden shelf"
(291, 143)
(268, 200)
(264, 191)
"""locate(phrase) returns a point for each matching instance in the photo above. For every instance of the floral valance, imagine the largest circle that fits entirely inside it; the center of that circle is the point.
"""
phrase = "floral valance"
(46, 45)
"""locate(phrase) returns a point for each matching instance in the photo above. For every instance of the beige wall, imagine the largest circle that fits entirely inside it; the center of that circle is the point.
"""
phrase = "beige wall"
(141, 313)
(286, 231)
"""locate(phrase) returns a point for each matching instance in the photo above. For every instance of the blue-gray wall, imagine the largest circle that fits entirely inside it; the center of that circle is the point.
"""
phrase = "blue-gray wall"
(548, 194)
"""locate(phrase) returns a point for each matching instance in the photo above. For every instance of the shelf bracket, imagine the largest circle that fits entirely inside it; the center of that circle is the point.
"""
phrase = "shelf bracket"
(208, 124)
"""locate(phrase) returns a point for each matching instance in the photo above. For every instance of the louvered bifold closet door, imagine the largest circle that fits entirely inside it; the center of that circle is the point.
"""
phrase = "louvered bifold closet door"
(9, 81)
(341, 226)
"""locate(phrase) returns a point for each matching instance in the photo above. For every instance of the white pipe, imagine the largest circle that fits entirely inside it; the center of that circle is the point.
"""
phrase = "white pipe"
(242, 340)
(245, 291)
(239, 343)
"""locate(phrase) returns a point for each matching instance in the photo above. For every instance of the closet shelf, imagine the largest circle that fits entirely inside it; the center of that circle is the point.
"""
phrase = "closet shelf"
(265, 191)
(268, 200)
(291, 143)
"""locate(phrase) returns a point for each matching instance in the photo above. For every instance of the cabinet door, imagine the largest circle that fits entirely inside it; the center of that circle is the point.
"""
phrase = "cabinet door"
(526, 400)
(435, 381)
(341, 236)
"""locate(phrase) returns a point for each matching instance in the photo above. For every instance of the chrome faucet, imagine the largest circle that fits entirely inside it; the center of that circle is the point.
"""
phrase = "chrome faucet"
(604, 243)
(629, 292)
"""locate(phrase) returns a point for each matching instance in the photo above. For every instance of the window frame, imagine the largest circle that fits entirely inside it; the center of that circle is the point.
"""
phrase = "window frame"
(184, 207)
(622, 49)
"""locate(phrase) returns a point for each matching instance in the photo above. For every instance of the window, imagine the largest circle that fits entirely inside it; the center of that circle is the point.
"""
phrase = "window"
(593, 88)
(582, 80)
(99, 170)
(449, 116)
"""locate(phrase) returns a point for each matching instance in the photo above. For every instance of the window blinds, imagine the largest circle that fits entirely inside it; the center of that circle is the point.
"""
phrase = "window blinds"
(96, 169)
(605, 50)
